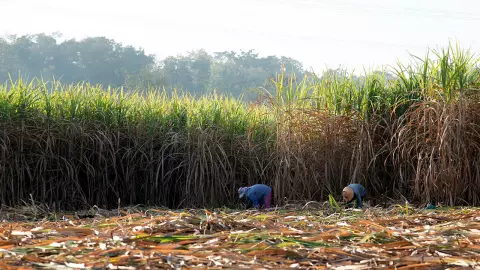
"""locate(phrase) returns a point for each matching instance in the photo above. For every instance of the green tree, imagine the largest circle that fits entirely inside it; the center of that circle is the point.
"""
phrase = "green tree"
(97, 60)
(100, 60)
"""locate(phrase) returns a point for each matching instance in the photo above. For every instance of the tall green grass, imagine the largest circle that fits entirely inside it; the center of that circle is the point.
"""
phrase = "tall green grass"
(413, 134)
(373, 130)
(71, 144)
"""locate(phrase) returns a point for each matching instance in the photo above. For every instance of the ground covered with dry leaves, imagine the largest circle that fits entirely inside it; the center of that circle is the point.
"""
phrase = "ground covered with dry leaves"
(222, 238)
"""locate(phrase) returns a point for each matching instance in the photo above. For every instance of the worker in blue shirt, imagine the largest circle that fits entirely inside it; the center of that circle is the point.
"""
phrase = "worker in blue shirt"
(259, 195)
(354, 193)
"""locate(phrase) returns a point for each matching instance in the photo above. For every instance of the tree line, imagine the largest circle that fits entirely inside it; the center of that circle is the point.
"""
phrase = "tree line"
(100, 60)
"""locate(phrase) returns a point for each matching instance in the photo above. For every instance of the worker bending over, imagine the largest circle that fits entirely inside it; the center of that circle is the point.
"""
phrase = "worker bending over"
(259, 195)
(354, 193)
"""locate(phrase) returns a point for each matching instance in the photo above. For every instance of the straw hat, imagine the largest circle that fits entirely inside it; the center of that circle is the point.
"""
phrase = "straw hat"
(347, 194)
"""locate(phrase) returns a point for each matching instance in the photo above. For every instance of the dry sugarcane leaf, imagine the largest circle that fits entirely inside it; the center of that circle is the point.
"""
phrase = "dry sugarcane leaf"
(81, 232)
(276, 252)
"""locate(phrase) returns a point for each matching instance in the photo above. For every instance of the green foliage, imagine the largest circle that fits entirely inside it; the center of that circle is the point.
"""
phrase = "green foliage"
(333, 203)
(71, 141)
(446, 77)
(98, 60)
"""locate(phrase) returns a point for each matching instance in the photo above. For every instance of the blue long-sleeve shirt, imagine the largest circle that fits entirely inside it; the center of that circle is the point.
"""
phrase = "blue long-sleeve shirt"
(359, 192)
(257, 193)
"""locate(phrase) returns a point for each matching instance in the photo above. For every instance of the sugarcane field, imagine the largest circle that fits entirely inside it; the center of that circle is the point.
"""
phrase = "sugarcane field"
(266, 134)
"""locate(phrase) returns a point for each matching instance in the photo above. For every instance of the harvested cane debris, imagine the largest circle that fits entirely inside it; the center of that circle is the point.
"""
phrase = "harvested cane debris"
(222, 238)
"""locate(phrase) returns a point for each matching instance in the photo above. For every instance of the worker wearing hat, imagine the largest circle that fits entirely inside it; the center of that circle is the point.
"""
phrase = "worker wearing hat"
(354, 193)
(259, 195)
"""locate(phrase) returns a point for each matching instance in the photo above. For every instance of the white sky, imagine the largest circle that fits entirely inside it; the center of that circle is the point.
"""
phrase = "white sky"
(319, 33)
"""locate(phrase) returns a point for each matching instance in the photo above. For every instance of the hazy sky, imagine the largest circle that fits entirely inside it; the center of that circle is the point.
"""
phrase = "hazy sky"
(319, 33)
